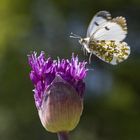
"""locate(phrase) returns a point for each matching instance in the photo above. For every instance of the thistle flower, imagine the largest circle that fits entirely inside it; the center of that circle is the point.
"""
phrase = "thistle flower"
(59, 91)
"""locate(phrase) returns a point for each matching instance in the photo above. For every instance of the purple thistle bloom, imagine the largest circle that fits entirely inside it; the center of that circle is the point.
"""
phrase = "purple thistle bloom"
(44, 71)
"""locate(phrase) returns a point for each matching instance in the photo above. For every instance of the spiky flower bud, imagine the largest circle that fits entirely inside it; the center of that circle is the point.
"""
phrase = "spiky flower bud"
(58, 92)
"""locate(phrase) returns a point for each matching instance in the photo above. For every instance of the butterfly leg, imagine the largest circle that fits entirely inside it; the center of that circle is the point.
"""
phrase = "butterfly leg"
(90, 57)
(84, 50)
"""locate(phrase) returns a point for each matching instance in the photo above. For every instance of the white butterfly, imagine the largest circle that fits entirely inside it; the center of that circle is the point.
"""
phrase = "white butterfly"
(105, 37)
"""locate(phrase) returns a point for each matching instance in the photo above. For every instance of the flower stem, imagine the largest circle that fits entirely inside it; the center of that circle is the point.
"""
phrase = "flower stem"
(62, 136)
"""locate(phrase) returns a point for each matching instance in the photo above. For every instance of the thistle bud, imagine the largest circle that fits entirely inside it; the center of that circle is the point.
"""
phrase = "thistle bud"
(61, 107)
(59, 90)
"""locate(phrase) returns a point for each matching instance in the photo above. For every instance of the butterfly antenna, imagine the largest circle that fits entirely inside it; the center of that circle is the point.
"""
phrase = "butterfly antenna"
(74, 36)
(90, 69)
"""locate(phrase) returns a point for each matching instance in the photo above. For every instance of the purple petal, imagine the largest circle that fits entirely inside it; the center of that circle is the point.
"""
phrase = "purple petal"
(45, 70)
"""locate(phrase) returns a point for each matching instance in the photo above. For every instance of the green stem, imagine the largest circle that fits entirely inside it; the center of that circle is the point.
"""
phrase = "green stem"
(62, 136)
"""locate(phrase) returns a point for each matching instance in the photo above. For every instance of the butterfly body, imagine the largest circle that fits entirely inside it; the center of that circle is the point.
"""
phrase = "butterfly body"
(105, 37)
(85, 43)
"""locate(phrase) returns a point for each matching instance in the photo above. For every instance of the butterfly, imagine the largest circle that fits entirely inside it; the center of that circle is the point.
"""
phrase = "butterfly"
(105, 37)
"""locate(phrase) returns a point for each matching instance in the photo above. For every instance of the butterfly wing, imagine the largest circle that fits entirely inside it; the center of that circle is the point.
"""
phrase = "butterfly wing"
(112, 52)
(97, 21)
(115, 29)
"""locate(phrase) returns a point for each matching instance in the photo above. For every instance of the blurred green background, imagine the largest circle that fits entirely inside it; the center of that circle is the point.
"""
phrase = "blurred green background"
(112, 99)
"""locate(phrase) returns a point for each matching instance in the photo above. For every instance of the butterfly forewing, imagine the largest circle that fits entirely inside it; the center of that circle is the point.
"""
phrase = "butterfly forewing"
(112, 52)
(115, 29)
(96, 22)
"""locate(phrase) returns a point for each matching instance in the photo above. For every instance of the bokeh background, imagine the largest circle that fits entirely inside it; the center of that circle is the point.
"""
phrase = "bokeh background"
(112, 99)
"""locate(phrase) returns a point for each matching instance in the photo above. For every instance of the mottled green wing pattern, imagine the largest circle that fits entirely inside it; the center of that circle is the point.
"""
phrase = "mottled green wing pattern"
(112, 52)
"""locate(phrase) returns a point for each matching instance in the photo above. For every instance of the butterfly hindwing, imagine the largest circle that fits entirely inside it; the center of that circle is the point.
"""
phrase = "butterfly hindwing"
(96, 22)
(115, 29)
(112, 52)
